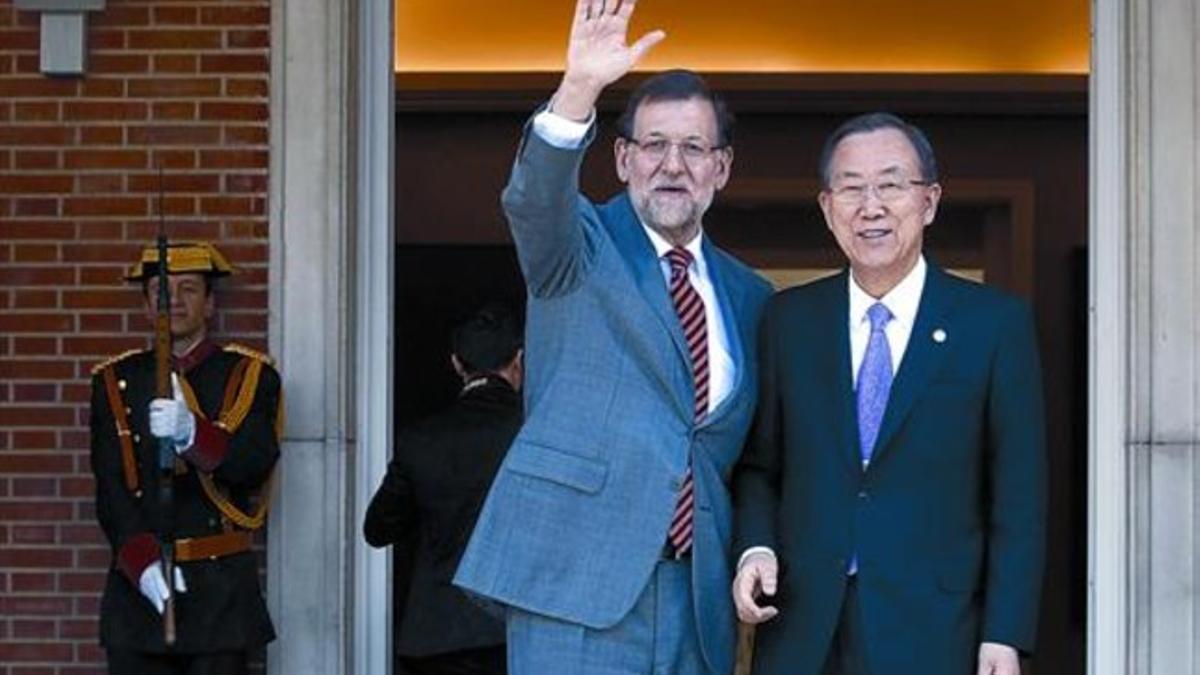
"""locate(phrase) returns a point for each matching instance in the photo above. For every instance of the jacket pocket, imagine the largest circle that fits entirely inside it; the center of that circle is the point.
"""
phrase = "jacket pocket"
(539, 461)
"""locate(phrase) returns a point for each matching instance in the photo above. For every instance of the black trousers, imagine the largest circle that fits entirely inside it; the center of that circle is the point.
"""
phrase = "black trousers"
(486, 661)
(122, 662)
(847, 653)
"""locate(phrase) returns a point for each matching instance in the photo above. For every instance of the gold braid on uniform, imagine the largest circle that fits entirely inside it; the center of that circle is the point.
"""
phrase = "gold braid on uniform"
(120, 420)
(244, 381)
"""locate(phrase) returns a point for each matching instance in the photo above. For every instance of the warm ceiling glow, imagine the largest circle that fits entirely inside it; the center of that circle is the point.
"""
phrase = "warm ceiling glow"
(790, 36)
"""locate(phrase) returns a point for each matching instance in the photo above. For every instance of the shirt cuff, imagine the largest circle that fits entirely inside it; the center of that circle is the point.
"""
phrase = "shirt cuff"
(210, 446)
(561, 132)
(751, 551)
(136, 554)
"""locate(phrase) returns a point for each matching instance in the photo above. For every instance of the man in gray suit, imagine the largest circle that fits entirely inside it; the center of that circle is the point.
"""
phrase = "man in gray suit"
(607, 529)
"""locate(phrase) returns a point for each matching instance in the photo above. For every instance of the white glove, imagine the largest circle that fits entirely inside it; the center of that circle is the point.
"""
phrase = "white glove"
(170, 418)
(153, 585)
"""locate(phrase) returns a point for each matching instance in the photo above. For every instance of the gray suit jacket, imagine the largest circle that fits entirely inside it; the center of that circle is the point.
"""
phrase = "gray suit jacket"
(576, 519)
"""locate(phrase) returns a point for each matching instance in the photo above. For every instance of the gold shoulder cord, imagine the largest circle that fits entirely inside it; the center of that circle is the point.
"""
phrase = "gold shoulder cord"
(248, 370)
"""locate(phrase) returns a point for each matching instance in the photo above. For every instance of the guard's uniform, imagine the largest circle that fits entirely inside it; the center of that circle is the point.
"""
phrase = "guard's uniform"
(220, 493)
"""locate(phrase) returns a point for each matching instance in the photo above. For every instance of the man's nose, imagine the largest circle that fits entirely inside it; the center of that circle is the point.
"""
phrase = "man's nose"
(673, 160)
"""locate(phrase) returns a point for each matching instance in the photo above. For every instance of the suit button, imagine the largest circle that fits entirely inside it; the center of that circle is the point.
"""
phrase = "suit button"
(137, 438)
(863, 496)
(212, 522)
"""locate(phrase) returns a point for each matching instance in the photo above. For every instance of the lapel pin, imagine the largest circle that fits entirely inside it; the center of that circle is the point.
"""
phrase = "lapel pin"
(939, 335)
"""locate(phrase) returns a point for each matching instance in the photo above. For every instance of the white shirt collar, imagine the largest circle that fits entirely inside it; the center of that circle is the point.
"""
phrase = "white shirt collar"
(661, 246)
(902, 301)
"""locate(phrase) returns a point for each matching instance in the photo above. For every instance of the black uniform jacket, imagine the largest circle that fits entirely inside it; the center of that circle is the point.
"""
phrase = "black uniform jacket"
(223, 608)
(439, 475)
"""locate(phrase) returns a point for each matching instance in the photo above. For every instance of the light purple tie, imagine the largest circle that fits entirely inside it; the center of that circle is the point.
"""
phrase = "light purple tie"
(874, 381)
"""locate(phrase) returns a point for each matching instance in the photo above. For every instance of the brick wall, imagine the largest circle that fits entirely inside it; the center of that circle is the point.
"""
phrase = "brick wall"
(180, 84)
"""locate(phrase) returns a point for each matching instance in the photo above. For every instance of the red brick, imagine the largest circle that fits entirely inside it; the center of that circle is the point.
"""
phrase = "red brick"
(32, 582)
(29, 629)
(80, 534)
(98, 346)
(34, 252)
(243, 299)
(35, 393)
(233, 159)
(30, 134)
(104, 206)
(232, 206)
(13, 275)
(102, 87)
(174, 39)
(256, 135)
(34, 511)
(121, 15)
(173, 159)
(33, 534)
(246, 229)
(101, 183)
(79, 629)
(75, 393)
(159, 135)
(77, 440)
(36, 159)
(34, 439)
(35, 207)
(34, 346)
(176, 63)
(34, 652)
(101, 135)
(246, 183)
(6, 62)
(91, 558)
(26, 64)
(247, 39)
(242, 112)
(19, 39)
(99, 323)
(233, 63)
(36, 298)
(106, 275)
(241, 88)
(107, 299)
(36, 111)
(41, 369)
(118, 63)
(107, 230)
(175, 15)
(81, 582)
(105, 159)
(179, 206)
(175, 182)
(27, 87)
(25, 322)
(235, 16)
(175, 87)
(35, 183)
(173, 110)
(104, 110)
(104, 39)
(244, 322)
(36, 416)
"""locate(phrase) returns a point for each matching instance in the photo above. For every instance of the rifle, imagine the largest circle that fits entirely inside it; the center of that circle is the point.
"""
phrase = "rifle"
(166, 447)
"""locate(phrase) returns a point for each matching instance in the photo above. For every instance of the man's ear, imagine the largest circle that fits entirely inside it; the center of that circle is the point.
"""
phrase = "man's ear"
(622, 157)
(724, 160)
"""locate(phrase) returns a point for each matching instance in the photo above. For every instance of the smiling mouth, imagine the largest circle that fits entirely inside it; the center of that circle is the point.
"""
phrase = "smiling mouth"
(874, 233)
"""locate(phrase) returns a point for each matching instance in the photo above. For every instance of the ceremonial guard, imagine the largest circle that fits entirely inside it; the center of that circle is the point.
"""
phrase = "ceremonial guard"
(194, 517)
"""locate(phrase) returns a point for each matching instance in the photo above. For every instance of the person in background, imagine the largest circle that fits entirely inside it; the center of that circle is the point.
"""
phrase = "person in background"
(440, 471)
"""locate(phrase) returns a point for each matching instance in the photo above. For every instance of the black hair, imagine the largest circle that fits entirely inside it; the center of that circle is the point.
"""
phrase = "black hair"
(677, 85)
(874, 122)
(488, 339)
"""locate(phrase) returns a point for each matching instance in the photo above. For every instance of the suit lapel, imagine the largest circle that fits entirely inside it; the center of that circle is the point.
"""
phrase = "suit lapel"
(837, 371)
(922, 359)
(641, 260)
(729, 304)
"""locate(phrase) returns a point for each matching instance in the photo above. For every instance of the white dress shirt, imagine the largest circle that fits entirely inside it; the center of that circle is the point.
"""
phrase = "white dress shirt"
(568, 134)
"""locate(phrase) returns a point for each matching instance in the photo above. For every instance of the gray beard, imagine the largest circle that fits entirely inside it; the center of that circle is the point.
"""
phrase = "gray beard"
(670, 219)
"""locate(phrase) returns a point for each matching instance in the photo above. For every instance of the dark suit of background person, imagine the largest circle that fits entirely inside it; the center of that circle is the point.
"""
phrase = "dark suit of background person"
(574, 531)
(945, 523)
(224, 421)
(440, 471)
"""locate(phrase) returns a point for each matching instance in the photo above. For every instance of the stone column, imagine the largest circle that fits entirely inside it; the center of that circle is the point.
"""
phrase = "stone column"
(310, 218)
(1146, 299)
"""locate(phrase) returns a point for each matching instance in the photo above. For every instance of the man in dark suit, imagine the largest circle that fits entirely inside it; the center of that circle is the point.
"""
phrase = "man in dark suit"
(891, 502)
(606, 531)
(435, 484)
(223, 423)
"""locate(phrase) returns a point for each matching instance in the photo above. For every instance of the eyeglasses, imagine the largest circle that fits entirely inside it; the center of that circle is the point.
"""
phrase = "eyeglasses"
(656, 149)
(887, 190)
